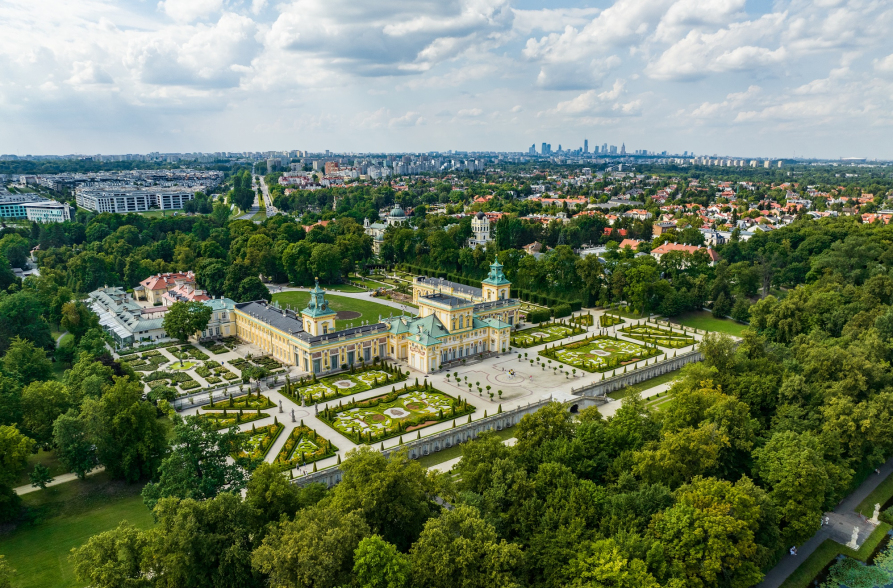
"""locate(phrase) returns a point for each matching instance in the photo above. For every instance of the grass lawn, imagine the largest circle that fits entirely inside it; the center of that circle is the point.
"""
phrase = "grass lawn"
(368, 283)
(642, 386)
(342, 288)
(704, 320)
(64, 517)
(59, 370)
(455, 451)
(624, 312)
(47, 459)
(65, 338)
(826, 552)
(657, 336)
(259, 216)
(369, 311)
(158, 213)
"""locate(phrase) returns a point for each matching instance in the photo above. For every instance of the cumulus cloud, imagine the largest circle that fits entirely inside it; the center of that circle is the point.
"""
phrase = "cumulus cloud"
(190, 10)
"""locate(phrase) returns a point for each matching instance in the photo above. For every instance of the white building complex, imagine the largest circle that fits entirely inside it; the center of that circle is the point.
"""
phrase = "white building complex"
(480, 228)
(47, 211)
(126, 199)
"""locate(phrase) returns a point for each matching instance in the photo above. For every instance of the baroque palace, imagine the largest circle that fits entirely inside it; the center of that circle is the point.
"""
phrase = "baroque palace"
(454, 322)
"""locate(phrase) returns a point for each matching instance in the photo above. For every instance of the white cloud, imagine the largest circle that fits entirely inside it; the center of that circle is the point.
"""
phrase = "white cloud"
(190, 10)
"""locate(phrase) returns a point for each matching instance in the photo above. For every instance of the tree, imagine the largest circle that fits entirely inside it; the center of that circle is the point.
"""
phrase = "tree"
(706, 538)
(792, 465)
(197, 466)
(393, 494)
(271, 496)
(15, 248)
(129, 439)
(550, 422)
(459, 549)
(604, 564)
(42, 403)
(681, 455)
(185, 319)
(113, 559)
(378, 564)
(40, 477)
(77, 319)
(251, 288)
(315, 550)
(73, 446)
(14, 451)
(26, 362)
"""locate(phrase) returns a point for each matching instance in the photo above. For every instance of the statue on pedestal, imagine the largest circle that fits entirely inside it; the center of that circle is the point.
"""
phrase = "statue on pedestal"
(280, 407)
(874, 518)
(293, 415)
(854, 540)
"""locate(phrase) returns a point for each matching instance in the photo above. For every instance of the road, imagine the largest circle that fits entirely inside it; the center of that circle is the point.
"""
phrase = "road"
(268, 200)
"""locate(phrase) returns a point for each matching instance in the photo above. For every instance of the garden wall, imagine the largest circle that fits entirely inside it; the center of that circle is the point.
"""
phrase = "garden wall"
(437, 441)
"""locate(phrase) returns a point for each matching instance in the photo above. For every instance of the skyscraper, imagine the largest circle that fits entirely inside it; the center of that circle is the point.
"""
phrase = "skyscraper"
(585, 145)
(623, 149)
(544, 150)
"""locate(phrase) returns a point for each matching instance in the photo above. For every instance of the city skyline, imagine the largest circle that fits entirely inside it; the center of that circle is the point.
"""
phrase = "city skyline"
(784, 79)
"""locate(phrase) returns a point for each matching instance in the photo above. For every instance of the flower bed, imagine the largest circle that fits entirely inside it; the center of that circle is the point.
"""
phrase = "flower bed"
(343, 384)
(251, 401)
(203, 371)
(240, 364)
(216, 348)
(609, 320)
(396, 413)
(658, 336)
(587, 320)
(267, 362)
(544, 333)
(193, 351)
(599, 354)
(213, 380)
(259, 440)
(303, 446)
(191, 384)
(226, 419)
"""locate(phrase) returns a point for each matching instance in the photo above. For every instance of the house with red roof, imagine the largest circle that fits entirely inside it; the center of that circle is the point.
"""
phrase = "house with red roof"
(153, 288)
(658, 252)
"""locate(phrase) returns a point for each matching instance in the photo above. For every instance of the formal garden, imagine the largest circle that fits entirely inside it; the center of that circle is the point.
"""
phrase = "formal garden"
(304, 445)
(544, 333)
(231, 418)
(148, 361)
(609, 320)
(312, 390)
(258, 441)
(219, 346)
(396, 413)
(586, 320)
(249, 402)
(658, 336)
(600, 353)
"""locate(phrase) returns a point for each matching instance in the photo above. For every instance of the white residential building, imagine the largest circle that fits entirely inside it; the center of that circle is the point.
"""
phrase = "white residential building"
(126, 199)
(48, 211)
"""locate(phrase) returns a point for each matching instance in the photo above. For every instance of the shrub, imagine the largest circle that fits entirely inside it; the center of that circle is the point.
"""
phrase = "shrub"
(562, 310)
(538, 316)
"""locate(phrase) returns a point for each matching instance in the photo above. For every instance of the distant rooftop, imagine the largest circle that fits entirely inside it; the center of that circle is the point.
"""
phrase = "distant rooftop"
(446, 284)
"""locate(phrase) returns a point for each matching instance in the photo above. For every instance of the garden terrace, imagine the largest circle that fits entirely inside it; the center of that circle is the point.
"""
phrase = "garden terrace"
(600, 354)
(393, 414)
(259, 440)
(658, 336)
(544, 333)
(250, 401)
(226, 419)
(303, 446)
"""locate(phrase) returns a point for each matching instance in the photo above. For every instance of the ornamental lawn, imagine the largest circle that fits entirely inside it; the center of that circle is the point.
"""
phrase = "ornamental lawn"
(411, 410)
(259, 440)
(544, 334)
(303, 446)
(655, 335)
(344, 385)
(600, 354)
(369, 311)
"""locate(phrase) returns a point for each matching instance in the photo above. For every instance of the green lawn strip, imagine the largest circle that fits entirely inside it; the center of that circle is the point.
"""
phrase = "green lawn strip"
(47, 459)
(59, 370)
(304, 445)
(455, 451)
(249, 402)
(579, 353)
(368, 310)
(261, 216)
(64, 517)
(641, 387)
(880, 495)
(544, 333)
(704, 321)
(367, 283)
(625, 313)
(403, 411)
(327, 388)
(259, 440)
(825, 553)
(65, 338)
(226, 419)
(349, 288)
(657, 336)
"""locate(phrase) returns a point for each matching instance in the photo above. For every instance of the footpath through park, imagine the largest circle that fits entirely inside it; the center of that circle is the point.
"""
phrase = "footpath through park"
(842, 520)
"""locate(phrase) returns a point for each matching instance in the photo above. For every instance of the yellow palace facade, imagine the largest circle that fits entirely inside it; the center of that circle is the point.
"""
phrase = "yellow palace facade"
(454, 322)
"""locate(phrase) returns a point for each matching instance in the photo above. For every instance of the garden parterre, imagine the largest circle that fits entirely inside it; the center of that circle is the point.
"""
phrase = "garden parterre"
(599, 354)
(545, 333)
(303, 446)
(259, 440)
(342, 384)
(396, 413)
(658, 336)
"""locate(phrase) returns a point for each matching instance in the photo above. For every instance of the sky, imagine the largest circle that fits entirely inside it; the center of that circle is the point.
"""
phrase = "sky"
(730, 77)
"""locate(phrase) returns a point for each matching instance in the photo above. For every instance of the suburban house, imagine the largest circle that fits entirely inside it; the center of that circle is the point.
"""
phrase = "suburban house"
(658, 252)
(153, 288)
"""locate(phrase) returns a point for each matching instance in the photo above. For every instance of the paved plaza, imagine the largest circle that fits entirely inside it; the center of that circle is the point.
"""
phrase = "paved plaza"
(520, 382)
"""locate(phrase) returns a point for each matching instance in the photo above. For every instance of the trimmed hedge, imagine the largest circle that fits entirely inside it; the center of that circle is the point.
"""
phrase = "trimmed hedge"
(562, 310)
(538, 316)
